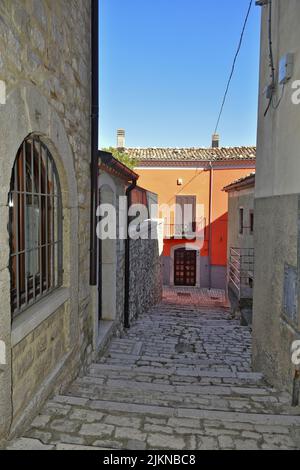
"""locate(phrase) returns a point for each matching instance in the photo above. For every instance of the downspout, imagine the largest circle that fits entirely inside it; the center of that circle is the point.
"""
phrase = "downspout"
(94, 139)
(296, 389)
(210, 223)
(127, 257)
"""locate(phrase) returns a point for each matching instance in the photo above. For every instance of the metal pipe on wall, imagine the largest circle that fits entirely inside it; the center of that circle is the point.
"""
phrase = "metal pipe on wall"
(127, 258)
(94, 139)
(210, 223)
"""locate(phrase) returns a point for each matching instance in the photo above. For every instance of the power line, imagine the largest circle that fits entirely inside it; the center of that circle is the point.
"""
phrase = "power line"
(233, 65)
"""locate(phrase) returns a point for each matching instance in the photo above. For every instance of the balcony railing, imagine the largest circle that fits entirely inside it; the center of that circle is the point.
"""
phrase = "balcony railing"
(241, 271)
(189, 231)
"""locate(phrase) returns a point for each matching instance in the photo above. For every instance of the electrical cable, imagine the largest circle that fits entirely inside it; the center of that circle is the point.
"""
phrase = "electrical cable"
(272, 67)
(276, 106)
(233, 65)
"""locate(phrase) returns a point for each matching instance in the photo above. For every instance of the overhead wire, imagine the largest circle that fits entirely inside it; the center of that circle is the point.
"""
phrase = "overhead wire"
(233, 65)
(271, 59)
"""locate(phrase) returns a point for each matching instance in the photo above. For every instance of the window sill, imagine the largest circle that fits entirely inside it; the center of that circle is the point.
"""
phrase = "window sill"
(36, 314)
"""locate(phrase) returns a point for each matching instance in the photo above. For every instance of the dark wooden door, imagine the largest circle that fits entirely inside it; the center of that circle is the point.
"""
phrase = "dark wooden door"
(185, 267)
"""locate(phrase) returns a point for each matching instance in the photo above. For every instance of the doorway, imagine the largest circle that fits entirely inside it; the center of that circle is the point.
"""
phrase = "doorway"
(185, 267)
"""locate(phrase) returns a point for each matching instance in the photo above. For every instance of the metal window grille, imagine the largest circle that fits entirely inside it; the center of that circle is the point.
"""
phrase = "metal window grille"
(241, 271)
(35, 226)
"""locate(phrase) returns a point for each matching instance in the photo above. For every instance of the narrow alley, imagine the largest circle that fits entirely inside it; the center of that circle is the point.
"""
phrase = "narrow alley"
(180, 378)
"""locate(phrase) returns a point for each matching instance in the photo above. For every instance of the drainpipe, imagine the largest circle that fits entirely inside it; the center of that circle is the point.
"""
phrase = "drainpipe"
(94, 139)
(296, 389)
(210, 222)
(127, 257)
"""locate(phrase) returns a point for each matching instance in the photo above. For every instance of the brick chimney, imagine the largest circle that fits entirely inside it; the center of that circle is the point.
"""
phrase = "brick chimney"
(120, 138)
(215, 141)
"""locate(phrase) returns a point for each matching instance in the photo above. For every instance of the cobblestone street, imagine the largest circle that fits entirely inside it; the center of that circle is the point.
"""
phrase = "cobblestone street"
(180, 378)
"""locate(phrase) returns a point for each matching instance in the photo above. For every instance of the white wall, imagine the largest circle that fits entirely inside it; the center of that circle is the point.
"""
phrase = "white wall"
(278, 146)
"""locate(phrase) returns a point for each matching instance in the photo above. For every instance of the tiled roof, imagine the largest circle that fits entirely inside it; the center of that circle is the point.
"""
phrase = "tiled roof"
(246, 181)
(191, 154)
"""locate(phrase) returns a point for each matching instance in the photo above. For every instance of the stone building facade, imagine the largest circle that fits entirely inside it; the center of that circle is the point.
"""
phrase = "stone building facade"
(45, 64)
(50, 324)
(144, 255)
(276, 315)
(240, 246)
(193, 177)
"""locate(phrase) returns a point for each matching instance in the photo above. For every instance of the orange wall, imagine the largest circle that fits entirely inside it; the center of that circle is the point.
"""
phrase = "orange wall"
(196, 182)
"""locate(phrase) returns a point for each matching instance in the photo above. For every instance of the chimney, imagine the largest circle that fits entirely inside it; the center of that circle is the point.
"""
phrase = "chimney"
(215, 141)
(120, 138)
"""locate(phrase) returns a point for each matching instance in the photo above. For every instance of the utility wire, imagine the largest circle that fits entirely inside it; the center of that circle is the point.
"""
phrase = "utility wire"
(272, 66)
(234, 64)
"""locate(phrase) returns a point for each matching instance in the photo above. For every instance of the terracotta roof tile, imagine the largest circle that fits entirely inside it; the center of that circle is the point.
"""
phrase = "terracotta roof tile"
(191, 154)
(246, 181)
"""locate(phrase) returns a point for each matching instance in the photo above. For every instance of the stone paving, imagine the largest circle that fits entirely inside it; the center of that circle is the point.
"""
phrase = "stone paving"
(194, 296)
(180, 378)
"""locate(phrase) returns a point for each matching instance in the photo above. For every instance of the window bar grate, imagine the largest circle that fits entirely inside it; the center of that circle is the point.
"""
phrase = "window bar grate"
(16, 217)
(46, 215)
(24, 228)
(33, 206)
(37, 254)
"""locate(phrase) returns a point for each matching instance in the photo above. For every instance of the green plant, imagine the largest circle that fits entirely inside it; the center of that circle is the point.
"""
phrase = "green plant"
(123, 157)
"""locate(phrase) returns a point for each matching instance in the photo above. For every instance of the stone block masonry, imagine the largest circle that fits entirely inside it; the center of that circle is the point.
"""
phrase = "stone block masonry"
(145, 276)
(45, 63)
(35, 356)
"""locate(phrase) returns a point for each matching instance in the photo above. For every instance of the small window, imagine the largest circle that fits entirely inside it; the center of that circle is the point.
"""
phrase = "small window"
(251, 222)
(35, 226)
(241, 221)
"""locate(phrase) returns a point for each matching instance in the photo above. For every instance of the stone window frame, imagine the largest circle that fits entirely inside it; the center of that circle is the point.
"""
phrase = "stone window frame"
(34, 179)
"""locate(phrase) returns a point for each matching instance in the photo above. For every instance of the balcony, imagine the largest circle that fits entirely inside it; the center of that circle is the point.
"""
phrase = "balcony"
(241, 272)
(189, 231)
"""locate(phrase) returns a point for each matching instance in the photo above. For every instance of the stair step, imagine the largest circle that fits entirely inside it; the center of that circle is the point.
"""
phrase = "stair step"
(197, 389)
(205, 397)
(172, 373)
(188, 413)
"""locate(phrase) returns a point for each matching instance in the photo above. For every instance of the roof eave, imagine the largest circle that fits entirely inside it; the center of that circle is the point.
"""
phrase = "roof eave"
(109, 163)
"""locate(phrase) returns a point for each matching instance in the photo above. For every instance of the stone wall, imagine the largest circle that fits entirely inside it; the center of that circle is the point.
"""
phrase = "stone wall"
(45, 62)
(145, 275)
(277, 189)
(145, 262)
(276, 233)
(35, 356)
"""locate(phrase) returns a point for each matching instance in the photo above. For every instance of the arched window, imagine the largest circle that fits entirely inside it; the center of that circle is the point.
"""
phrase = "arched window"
(35, 226)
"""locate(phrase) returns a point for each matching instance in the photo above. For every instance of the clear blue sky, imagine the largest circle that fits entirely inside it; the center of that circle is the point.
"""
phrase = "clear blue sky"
(164, 67)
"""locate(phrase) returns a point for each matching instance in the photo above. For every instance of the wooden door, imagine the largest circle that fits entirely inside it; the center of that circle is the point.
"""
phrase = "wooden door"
(185, 267)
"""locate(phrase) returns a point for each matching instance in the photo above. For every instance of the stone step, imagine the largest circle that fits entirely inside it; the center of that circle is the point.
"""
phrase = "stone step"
(171, 412)
(173, 374)
(70, 422)
(253, 400)
(182, 363)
